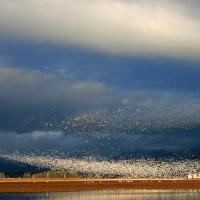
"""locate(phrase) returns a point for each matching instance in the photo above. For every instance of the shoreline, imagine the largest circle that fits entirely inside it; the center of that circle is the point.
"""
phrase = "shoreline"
(70, 185)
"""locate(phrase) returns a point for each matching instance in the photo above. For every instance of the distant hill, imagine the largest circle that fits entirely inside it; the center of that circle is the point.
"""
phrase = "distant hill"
(15, 169)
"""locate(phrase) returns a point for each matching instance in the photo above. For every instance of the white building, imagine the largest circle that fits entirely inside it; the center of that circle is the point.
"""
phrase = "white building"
(196, 176)
(190, 176)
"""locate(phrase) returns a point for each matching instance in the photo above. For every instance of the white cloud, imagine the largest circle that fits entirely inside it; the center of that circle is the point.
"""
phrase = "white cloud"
(164, 28)
(36, 135)
(38, 140)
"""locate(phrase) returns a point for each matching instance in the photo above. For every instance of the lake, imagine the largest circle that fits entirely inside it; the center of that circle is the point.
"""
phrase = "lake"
(108, 195)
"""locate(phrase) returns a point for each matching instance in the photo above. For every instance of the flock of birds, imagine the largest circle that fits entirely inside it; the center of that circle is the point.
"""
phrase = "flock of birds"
(136, 168)
(140, 118)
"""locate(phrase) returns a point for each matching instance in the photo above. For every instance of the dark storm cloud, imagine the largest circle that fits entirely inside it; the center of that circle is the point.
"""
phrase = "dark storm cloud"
(32, 100)
(28, 87)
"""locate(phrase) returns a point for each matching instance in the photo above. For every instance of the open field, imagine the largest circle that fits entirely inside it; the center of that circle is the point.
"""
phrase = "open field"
(65, 185)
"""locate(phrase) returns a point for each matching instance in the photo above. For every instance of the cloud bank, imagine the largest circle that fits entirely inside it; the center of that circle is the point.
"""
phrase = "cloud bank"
(149, 28)
(113, 146)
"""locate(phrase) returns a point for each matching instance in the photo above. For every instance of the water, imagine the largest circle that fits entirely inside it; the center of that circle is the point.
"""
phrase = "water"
(108, 195)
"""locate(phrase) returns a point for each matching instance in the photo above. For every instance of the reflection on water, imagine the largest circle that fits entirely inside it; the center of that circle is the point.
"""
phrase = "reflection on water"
(109, 195)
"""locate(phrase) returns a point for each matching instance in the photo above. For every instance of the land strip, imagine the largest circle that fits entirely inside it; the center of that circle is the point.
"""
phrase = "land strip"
(67, 185)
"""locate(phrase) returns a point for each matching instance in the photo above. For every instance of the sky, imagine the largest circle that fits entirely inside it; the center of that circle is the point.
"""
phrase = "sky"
(110, 75)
